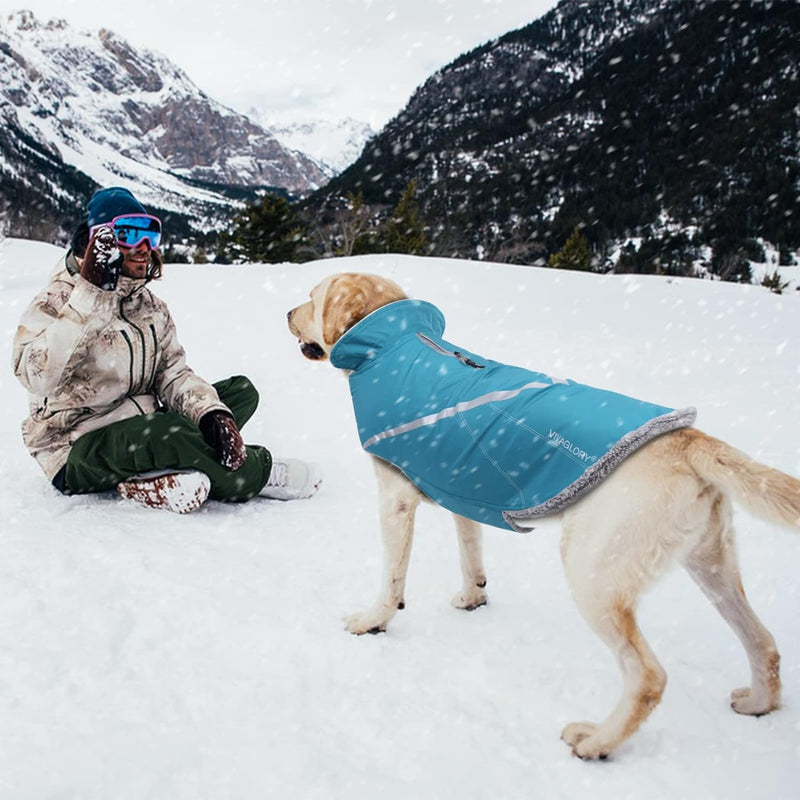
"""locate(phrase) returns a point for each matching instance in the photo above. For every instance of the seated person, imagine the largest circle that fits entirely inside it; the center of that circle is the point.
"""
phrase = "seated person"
(113, 403)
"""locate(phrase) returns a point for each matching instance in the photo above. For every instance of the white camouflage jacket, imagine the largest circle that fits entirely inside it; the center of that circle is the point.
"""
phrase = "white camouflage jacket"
(90, 357)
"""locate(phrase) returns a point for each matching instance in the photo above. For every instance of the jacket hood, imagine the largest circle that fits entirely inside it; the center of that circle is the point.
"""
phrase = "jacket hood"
(71, 263)
(383, 329)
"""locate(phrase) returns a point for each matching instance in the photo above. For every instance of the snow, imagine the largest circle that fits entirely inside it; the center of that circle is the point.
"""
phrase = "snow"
(150, 655)
(334, 145)
(788, 274)
(95, 100)
(54, 50)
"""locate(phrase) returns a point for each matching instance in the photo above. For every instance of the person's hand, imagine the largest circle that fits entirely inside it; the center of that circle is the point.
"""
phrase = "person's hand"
(103, 261)
(221, 433)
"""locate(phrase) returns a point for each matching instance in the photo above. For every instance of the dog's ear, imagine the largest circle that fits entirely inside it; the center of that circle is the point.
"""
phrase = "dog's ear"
(351, 297)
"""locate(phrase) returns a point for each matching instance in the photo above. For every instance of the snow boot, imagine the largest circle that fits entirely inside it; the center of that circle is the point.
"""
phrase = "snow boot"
(180, 492)
(291, 479)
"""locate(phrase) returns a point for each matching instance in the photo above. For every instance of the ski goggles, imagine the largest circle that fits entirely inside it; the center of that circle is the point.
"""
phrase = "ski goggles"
(130, 230)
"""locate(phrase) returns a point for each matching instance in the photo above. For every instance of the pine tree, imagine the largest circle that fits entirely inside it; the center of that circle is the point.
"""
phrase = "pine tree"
(267, 231)
(575, 254)
(405, 232)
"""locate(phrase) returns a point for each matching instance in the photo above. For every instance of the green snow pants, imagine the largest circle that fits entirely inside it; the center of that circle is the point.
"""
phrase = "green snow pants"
(166, 440)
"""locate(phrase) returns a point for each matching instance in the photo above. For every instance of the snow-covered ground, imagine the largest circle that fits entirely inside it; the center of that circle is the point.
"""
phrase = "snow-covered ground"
(149, 655)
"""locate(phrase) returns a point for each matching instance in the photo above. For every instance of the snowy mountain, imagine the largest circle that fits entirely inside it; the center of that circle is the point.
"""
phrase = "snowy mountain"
(333, 144)
(81, 108)
(666, 130)
(167, 657)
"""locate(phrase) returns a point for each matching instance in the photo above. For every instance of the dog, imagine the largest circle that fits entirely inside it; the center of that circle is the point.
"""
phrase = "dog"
(670, 500)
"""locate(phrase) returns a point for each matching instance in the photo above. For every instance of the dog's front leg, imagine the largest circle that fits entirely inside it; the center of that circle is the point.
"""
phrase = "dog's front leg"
(398, 499)
(473, 591)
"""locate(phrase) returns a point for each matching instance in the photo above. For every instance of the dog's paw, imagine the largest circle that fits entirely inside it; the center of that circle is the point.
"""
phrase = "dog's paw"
(469, 601)
(582, 738)
(743, 701)
(577, 731)
(365, 623)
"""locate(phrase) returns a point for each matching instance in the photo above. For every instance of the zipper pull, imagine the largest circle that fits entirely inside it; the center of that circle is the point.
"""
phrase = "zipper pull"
(453, 353)
(467, 361)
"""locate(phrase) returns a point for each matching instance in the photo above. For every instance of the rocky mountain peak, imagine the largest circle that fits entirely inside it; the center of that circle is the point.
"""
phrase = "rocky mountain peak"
(142, 69)
(88, 105)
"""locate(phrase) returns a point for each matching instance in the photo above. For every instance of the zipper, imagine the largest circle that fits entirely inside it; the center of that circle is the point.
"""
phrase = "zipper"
(130, 344)
(437, 348)
(155, 353)
(130, 350)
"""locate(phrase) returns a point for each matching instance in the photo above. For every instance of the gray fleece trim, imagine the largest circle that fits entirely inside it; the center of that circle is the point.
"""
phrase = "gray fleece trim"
(601, 469)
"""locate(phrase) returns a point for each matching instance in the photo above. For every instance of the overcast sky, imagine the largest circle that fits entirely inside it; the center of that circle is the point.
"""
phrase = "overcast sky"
(302, 58)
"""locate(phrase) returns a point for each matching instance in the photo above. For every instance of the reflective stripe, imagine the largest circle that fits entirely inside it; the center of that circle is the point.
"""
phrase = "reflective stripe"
(432, 419)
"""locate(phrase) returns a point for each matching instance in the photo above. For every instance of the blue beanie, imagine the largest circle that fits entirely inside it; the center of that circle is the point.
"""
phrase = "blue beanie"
(113, 202)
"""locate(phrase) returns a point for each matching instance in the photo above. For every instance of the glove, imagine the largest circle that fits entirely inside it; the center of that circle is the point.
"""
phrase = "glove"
(102, 262)
(222, 436)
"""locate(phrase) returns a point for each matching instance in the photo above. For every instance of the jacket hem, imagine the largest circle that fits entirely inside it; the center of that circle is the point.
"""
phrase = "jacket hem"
(599, 471)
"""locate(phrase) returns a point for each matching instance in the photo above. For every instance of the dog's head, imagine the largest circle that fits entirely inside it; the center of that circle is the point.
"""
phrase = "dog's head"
(336, 304)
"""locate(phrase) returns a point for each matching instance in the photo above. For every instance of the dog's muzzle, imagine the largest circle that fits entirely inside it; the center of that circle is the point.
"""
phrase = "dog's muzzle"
(312, 350)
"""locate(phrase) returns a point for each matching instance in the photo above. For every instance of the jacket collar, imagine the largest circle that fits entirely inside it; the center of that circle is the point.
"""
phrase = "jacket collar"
(129, 286)
(384, 328)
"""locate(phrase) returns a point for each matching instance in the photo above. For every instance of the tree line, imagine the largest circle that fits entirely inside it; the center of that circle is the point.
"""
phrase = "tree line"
(273, 229)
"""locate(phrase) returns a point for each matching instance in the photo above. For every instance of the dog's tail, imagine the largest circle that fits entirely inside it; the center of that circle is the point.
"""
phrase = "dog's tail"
(762, 490)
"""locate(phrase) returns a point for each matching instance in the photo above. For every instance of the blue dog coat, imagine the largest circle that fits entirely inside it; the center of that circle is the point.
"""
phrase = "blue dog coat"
(488, 441)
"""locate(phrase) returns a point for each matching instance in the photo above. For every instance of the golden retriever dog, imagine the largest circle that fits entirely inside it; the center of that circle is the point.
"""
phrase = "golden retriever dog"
(668, 501)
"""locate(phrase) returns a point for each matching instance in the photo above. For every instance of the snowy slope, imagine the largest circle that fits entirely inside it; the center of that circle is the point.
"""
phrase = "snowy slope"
(148, 655)
(335, 144)
(122, 115)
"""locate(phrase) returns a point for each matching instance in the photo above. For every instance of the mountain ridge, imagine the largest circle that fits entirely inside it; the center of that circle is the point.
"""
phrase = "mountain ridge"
(89, 109)
(665, 121)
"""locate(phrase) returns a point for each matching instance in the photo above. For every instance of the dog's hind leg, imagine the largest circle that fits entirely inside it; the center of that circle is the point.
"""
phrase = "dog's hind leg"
(398, 500)
(473, 590)
(713, 565)
(609, 560)
(643, 682)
